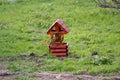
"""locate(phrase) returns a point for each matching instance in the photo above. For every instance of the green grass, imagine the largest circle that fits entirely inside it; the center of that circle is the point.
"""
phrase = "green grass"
(23, 26)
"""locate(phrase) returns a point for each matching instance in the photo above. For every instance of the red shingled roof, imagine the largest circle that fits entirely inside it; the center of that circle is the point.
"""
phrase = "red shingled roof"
(56, 25)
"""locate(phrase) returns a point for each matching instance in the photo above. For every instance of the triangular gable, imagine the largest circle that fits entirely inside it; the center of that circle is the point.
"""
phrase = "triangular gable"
(60, 24)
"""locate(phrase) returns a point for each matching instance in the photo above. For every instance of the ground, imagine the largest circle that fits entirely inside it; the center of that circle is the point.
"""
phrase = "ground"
(24, 43)
(6, 74)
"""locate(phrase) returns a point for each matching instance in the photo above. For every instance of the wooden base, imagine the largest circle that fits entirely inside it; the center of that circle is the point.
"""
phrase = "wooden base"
(59, 49)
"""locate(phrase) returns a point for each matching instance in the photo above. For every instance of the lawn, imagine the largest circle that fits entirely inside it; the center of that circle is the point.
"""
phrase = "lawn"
(23, 27)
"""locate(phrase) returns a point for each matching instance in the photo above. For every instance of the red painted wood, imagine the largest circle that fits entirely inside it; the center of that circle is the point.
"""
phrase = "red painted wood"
(58, 47)
(57, 31)
(63, 46)
(59, 50)
(60, 54)
(58, 24)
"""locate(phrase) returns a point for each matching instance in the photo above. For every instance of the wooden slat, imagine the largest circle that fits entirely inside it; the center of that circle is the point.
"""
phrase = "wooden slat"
(60, 54)
(59, 50)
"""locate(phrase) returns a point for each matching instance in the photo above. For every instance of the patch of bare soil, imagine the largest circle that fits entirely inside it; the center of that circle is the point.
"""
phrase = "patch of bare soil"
(5, 74)
(69, 76)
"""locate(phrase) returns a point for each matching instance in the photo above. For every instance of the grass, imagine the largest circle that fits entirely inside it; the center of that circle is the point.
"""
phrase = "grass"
(23, 26)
